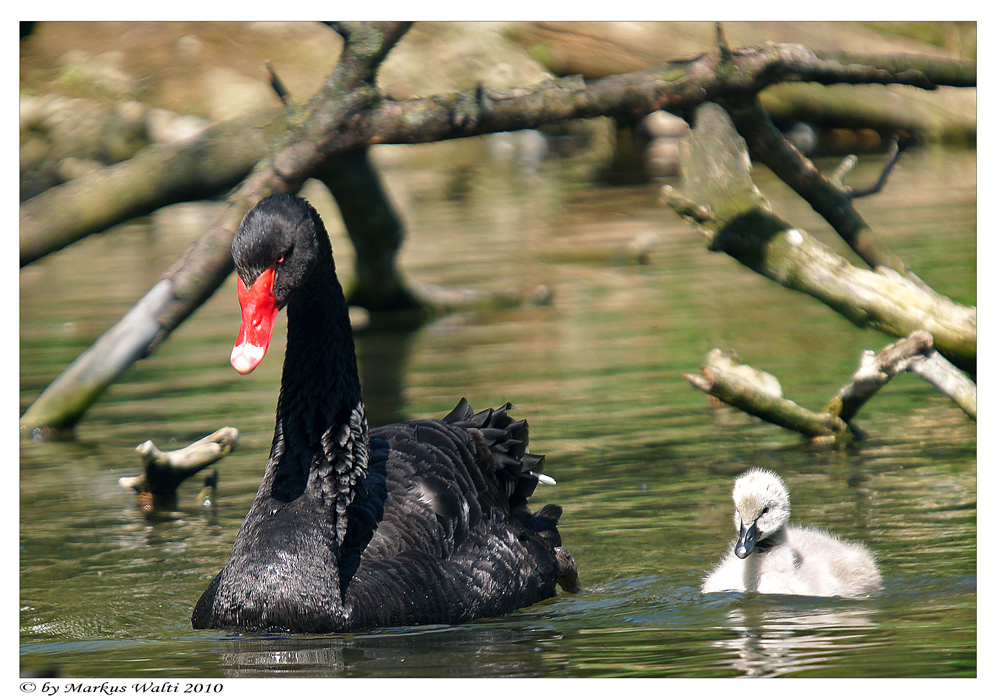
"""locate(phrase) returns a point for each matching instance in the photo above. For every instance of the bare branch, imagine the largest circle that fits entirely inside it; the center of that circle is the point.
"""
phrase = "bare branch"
(676, 86)
(276, 84)
(934, 369)
(896, 147)
(164, 471)
(758, 393)
(742, 226)
(914, 354)
(366, 44)
(878, 369)
(827, 198)
(724, 378)
(185, 286)
(349, 114)
(937, 71)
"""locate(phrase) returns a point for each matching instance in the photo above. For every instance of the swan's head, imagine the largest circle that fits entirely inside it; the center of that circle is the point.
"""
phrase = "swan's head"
(274, 250)
(762, 508)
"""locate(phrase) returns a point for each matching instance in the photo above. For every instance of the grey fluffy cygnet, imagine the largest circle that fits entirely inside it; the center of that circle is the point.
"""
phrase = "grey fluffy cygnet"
(772, 557)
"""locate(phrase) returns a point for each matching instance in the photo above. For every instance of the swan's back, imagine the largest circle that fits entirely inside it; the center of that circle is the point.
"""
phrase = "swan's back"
(454, 522)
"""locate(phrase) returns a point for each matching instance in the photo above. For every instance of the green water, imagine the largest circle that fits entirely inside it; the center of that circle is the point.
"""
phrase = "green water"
(644, 464)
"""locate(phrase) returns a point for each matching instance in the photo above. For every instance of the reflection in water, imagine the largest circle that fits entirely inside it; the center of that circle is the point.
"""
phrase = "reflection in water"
(382, 363)
(431, 651)
(773, 640)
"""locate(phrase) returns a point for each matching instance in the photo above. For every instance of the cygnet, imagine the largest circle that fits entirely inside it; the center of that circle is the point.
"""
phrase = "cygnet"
(772, 557)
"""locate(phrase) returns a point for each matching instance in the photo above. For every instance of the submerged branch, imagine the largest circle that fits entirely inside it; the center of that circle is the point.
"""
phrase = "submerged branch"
(758, 393)
(724, 378)
(164, 471)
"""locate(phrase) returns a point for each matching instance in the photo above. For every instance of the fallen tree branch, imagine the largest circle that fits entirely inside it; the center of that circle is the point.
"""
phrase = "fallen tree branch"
(758, 393)
(164, 471)
(934, 369)
(157, 176)
(719, 197)
(217, 160)
(940, 71)
(914, 354)
(675, 86)
(876, 370)
(349, 113)
(184, 287)
(724, 378)
(834, 203)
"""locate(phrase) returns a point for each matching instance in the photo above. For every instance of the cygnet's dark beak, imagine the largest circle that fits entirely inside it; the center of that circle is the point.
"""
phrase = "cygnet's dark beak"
(748, 537)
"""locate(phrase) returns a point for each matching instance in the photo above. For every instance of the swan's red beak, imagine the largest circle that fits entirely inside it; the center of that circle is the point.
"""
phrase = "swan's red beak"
(259, 310)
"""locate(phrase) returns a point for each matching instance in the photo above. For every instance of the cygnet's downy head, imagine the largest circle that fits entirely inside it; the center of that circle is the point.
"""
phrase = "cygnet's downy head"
(762, 508)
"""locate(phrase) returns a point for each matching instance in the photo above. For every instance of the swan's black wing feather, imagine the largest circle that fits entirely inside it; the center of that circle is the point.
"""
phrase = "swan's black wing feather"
(453, 521)
(442, 475)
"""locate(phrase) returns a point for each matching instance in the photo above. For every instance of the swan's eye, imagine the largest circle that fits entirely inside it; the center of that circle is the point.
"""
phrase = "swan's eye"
(765, 510)
(281, 260)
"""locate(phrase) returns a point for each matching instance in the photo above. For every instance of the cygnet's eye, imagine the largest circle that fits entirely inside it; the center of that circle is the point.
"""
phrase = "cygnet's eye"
(765, 510)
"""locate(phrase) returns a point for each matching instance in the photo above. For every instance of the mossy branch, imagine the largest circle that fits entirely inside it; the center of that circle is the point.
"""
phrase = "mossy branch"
(758, 393)
(719, 197)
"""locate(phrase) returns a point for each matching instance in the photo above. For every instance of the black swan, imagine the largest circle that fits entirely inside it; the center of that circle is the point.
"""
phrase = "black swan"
(408, 524)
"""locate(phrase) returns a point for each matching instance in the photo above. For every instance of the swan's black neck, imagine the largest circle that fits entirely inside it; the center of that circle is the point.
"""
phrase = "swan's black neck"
(320, 445)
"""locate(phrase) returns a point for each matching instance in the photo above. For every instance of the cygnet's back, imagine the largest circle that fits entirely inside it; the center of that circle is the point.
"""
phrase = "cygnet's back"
(772, 557)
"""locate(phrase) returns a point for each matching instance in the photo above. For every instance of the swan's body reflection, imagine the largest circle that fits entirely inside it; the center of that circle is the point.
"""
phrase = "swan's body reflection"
(777, 635)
